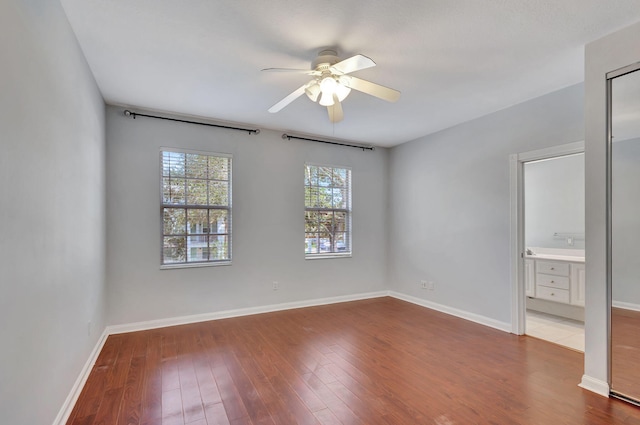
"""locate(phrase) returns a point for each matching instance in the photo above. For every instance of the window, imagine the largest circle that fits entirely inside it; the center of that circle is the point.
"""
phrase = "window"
(196, 208)
(327, 211)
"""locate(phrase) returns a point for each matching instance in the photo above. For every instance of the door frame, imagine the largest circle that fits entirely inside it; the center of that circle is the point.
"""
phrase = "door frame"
(517, 243)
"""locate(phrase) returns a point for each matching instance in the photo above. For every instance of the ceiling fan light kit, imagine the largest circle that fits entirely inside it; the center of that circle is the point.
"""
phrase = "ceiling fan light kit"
(331, 84)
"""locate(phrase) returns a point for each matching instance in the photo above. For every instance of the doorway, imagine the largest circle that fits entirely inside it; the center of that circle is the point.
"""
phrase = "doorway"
(547, 244)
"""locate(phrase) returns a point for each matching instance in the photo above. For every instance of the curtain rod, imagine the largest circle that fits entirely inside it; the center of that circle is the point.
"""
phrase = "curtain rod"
(367, 148)
(129, 113)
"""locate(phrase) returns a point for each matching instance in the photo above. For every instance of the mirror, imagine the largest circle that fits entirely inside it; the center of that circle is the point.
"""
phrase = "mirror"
(624, 228)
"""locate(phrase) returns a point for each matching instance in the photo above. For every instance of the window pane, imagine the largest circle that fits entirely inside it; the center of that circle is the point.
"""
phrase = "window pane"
(173, 164)
(340, 177)
(197, 248)
(340, 221)
(311, 175)
(310, 197)
(339, 198)
(219, 168)
(174, 221)
(218, 247)
(325, 195)
(325, 175)
(218, 193)
(173, 191)
(341, 242)
(174, 250)
(325, 221)
(196, 166)
(324, 242)
(311, 243)
(197, 192)
(310, 221)
(166, 167)
(197, 220)
(219, 220)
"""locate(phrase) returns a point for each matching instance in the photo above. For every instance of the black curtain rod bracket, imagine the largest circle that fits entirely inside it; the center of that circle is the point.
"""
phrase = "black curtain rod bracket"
(133, 115)
(364, 148)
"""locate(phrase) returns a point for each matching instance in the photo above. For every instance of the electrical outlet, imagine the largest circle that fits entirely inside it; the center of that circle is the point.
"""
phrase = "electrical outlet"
(431, 286)
(276, 285)
(423, 284)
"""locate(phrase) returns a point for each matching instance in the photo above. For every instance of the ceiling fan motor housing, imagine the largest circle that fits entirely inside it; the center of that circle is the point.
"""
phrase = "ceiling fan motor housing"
(325, 59)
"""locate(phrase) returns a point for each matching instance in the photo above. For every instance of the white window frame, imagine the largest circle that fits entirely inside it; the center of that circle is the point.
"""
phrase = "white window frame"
(334, 253)
(164, 205)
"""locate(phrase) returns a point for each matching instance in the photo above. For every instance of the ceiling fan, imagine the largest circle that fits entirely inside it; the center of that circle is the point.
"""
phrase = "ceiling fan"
(331, 84)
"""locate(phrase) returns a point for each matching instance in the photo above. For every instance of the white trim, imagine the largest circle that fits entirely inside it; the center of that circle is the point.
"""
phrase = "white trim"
(626, 306)
(552, 152)
(483, 320)
(327, 256)
(170, 266)
(194, 151)
(516, 245)
(595, 385)
(226, 314)
(516, 186)
(317, 164)
(72, 398)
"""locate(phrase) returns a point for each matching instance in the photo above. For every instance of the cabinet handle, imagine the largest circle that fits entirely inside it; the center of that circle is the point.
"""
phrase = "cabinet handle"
(552, 294)
(553, 268)
(553, 281)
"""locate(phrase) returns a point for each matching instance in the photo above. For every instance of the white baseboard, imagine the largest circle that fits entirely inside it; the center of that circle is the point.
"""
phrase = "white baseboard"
(72, 398)
(483, 320)
(626, 306)
(595, 385)
(183, 320)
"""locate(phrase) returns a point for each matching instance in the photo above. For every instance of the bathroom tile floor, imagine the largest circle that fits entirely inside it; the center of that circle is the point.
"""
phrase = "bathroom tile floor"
(559, 330)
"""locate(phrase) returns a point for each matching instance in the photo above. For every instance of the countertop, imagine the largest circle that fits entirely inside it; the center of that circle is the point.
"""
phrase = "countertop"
(572, 258)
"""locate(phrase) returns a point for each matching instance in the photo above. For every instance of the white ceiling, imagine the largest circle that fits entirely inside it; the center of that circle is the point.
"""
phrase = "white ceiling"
(452, 60)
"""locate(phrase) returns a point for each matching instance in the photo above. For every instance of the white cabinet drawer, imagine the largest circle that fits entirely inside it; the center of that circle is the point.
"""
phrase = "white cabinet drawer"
(560, 282)
(552, 267)
(552, 294)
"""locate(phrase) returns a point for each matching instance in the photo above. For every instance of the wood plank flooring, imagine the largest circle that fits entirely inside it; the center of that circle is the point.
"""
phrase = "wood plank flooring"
(379, 361)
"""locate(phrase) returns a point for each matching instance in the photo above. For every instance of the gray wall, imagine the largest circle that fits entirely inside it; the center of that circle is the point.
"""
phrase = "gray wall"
(601, 56)
(449, 197)
(268, 223)
(554, 202)
(52, 217)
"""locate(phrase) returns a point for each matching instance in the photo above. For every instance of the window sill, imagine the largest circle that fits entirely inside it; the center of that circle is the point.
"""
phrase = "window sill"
(194, 265)
(326, 256)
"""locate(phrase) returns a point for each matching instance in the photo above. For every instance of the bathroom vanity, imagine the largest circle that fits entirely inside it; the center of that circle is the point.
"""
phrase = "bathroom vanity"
(556, 276)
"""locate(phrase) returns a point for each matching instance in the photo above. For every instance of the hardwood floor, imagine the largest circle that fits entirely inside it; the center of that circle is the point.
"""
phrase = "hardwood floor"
(379, 361)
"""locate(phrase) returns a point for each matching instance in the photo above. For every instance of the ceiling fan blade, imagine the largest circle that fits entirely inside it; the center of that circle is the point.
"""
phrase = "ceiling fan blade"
(292, 71)
(381, 92)
(335, 110)
(352, 64)
(287, 100)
